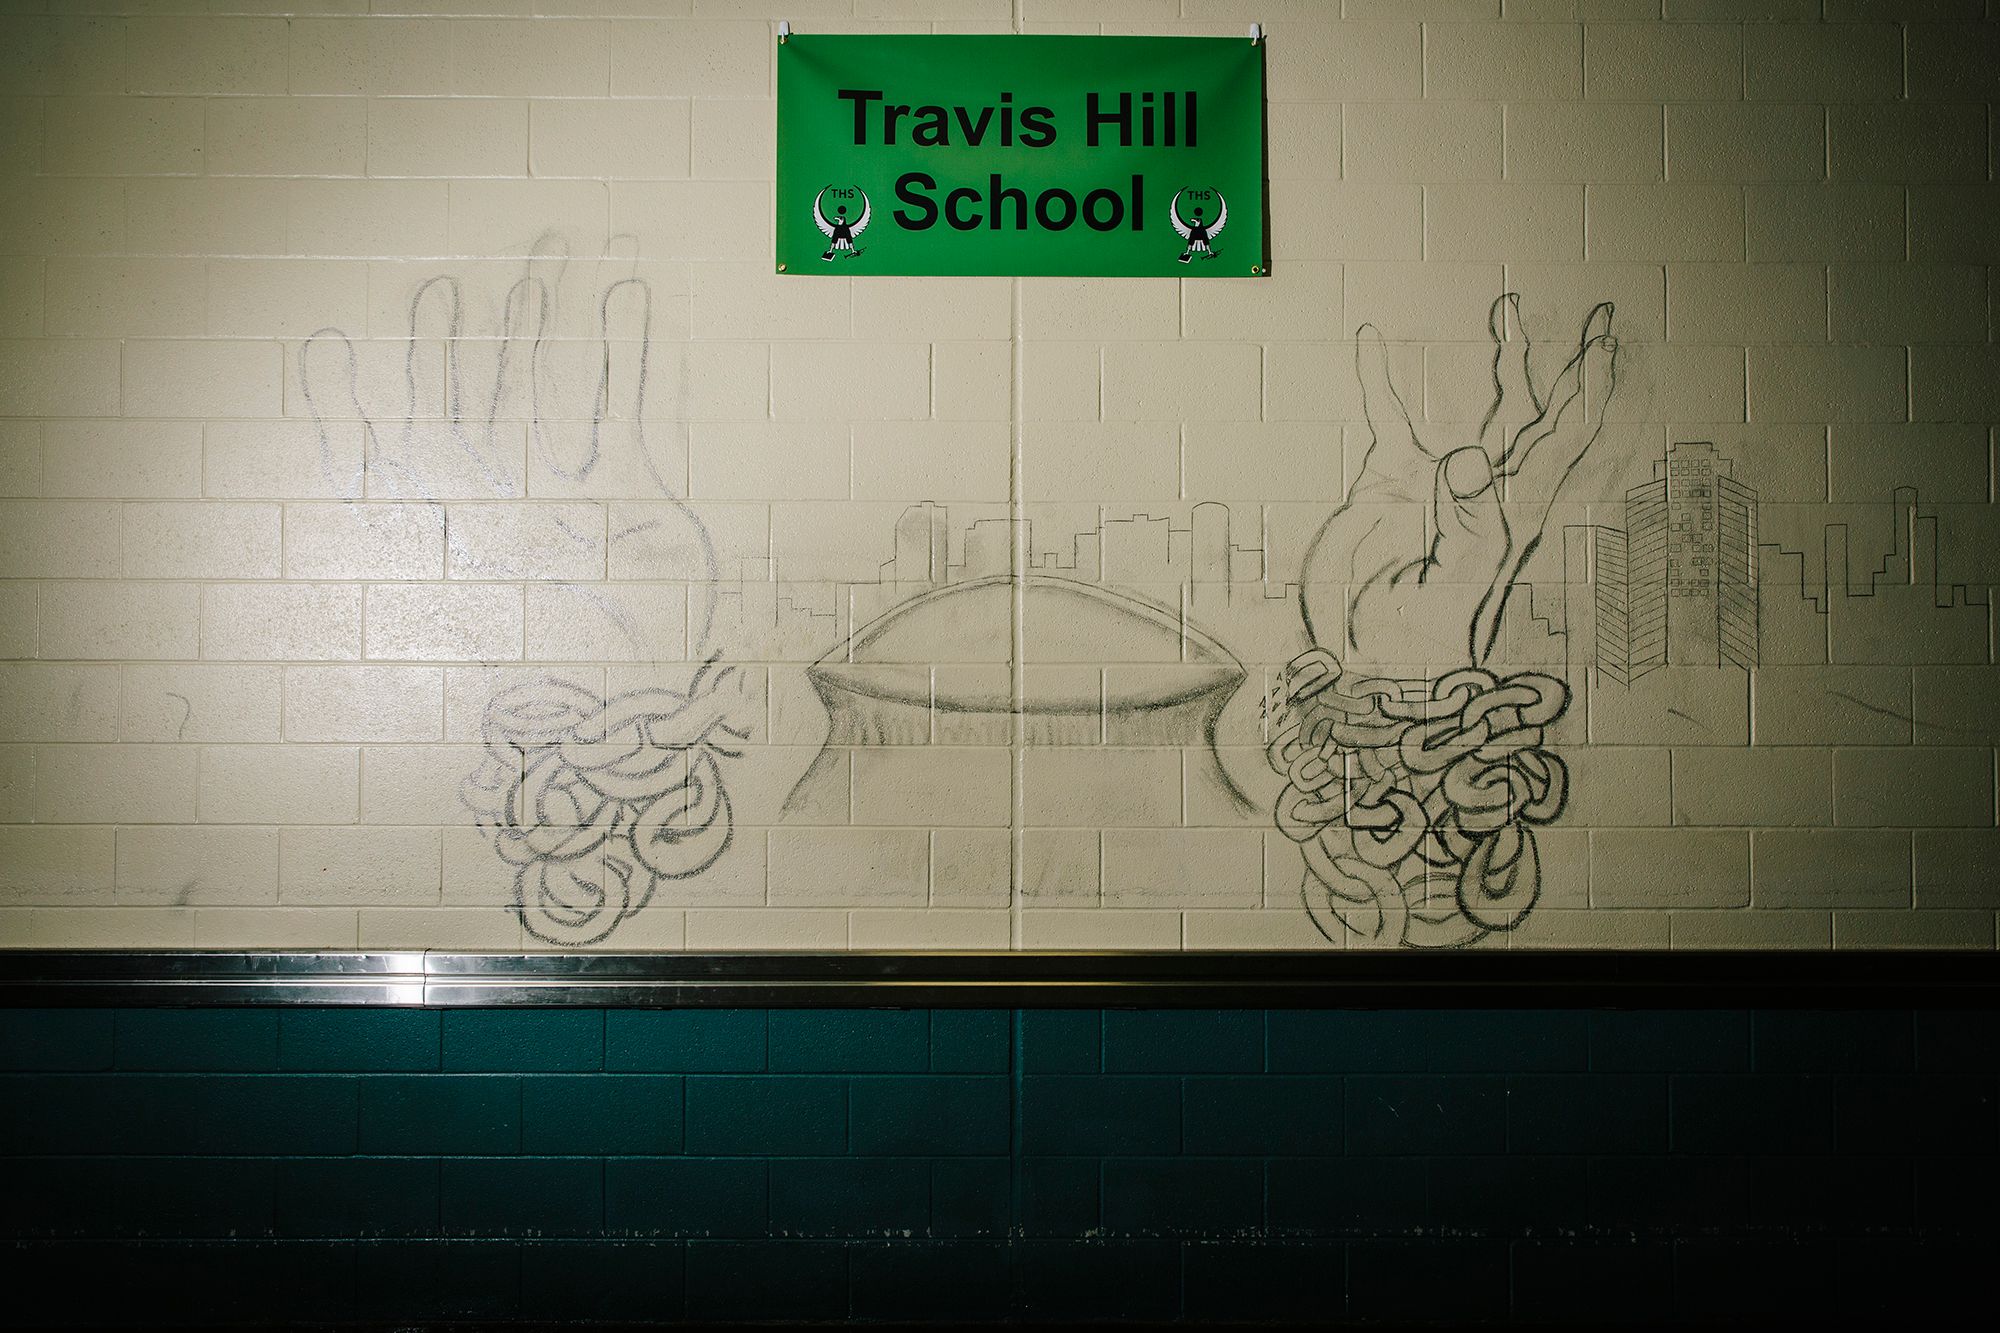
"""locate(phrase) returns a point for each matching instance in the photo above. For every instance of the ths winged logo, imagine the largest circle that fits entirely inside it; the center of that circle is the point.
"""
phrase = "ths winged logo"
(1198, 233)
(840, 230)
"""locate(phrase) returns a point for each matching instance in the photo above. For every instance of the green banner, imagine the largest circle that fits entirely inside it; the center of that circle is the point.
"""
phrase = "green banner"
(1112, 156)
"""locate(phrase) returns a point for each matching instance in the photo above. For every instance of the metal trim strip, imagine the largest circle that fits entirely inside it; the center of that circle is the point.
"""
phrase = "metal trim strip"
(1566, 979)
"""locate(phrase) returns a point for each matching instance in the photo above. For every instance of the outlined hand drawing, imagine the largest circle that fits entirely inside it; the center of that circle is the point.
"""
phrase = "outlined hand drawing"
(446, 442)
(1369, 566)
(1414, 801)
(593, 802)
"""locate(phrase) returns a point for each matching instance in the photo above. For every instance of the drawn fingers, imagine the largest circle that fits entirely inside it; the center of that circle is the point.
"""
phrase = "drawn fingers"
(1544, 459)
(1547, 448)
(531, 353)
(623, 355)
(1600, 357)
(625, 317)
(1393, 444)
(330, 384)
(430, 366)
(525, 316)
(1515, 394)
(1374, 534)
(1394, 466)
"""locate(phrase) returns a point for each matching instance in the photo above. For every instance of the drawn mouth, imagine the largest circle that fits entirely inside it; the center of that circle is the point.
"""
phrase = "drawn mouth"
(949, 649)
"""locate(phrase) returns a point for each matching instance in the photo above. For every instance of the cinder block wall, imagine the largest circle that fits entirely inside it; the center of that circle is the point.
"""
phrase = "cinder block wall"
(248, 1167)
(357, 370)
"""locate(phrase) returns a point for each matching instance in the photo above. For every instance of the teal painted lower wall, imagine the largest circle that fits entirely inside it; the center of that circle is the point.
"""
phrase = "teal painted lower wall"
(203, 1166)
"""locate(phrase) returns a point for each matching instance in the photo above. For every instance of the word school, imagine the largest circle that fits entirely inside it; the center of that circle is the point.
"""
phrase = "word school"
(1145, 120)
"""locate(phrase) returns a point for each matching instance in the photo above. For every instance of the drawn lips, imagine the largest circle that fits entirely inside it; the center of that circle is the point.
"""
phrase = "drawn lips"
(930, 651)
(1100, 669)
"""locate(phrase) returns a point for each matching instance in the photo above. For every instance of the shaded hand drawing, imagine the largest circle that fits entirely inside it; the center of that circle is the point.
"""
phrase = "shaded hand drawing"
(592, 801)
(1414, 802)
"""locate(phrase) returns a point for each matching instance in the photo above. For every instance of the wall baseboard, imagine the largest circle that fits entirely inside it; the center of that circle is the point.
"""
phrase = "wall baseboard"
(1519, 979)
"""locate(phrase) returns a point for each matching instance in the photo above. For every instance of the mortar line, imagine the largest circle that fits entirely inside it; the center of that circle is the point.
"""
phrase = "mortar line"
(1018, 553)
(1017, 729)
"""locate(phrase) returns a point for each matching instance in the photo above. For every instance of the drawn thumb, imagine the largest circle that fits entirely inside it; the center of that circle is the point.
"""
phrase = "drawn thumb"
(1471, 531)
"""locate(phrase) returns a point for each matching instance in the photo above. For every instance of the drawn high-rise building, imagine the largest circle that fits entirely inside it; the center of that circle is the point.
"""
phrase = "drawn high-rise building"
(1870, 606)
(1210, 558)
(1711, 560)
(1737, 612)
(989, 546)
(1678, 585)
(1139, 551)
(1646, 575)
(922, 545)
(1611, 602)
(1687, 581)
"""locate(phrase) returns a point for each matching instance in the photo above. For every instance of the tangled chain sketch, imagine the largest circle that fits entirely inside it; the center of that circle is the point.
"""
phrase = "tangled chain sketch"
(592, 801)
(595, 805)
(1413, 803)
(1415, 815)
